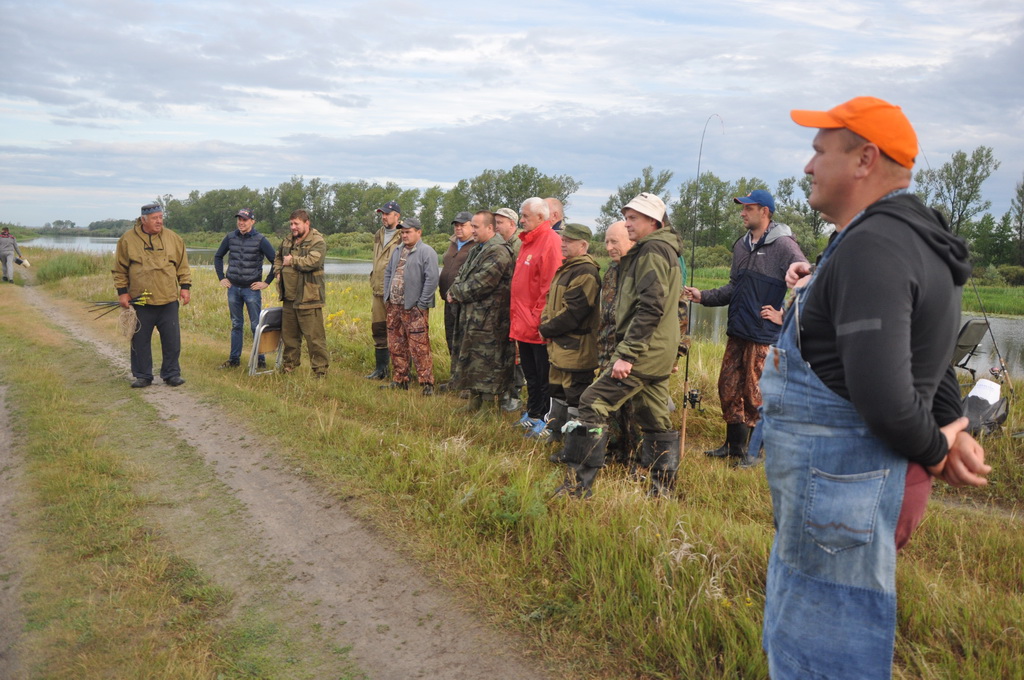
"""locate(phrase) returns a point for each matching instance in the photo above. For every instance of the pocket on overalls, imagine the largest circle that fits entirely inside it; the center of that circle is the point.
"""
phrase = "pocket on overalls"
(841, 509)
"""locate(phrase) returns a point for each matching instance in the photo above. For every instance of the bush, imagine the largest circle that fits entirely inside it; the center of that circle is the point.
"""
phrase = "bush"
(712, 256)
(1012, 274)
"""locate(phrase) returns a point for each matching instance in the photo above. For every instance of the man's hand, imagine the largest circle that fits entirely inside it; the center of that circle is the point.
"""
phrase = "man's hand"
(621, 369)
(448, 298)
(125, 300)
(772, 314)
(259, 285)
(287, 260)
(224, 283)
(691, 293)
(964, 465)
(186, 296)
(797, 274)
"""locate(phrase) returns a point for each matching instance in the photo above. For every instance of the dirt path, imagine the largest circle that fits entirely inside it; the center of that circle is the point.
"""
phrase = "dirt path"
(11, 621)
(400, 623)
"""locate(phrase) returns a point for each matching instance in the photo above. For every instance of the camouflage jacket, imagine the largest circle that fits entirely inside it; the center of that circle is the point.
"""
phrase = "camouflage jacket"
(570, 318)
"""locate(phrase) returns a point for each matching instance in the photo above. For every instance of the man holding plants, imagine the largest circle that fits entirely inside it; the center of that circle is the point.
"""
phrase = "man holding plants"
(150, 273)
(860, 401)
(755, 292)
(299, 266)
(384, 243)
(246, 249)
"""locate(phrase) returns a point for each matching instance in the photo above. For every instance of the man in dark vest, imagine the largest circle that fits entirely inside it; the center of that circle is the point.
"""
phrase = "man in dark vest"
(246, 248)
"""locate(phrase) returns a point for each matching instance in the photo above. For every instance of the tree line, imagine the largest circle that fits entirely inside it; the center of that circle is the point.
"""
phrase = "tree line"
(701, 209)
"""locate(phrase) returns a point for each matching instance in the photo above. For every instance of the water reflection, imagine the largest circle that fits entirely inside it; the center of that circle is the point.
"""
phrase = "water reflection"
(709, 323)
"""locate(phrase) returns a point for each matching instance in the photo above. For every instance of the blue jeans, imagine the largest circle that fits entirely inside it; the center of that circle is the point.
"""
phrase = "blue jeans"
(252, 300)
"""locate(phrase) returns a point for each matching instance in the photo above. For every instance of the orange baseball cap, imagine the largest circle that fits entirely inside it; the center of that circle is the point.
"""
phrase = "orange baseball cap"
(876, 120)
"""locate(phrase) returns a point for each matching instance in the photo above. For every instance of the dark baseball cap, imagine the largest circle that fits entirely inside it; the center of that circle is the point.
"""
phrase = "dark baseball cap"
(463, 217)
(246, 214)
(411, 223)
(390, 207)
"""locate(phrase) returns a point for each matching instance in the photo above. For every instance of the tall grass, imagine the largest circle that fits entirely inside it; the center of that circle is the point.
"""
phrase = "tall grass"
(618, 586)
(57, 265)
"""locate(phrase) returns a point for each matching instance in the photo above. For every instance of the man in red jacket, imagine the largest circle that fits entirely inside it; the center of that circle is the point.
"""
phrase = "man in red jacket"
(539, 258)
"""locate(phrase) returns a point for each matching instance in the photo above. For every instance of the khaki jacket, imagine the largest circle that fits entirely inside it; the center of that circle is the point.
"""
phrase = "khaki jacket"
(156, 263)
(302, 282)
(571, 315)
(381, 256)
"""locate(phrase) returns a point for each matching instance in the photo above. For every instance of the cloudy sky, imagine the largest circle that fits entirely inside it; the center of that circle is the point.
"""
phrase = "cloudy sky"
(106, 104)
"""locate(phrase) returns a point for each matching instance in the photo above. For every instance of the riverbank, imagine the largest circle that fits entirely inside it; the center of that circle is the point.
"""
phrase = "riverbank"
(614, 587)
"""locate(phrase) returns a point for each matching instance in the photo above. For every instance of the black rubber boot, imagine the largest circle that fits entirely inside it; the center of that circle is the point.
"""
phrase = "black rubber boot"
(738, 437)
(585, 449)
(383, 369)
(748, 461)
(734, 434)
(559, 416)
(558, 456)
(660, 453)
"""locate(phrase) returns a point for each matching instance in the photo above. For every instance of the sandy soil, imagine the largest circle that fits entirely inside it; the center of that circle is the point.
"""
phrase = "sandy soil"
(400, 623)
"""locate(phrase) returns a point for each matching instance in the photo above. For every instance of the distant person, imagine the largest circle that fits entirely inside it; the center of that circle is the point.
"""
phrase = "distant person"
(506, 223)
(484, 358)
(860, 401)
(384, 243)
(539, 257)
(623, 431)
(556, 212)
(410, 287)
(647, 328)
(454, 257)
(246, 249)
(754, 294)
(299, 266)
(151, 273)
(8, 251)
(569, 326)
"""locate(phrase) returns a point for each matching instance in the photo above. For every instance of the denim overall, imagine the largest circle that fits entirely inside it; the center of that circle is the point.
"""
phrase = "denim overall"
(830, 603)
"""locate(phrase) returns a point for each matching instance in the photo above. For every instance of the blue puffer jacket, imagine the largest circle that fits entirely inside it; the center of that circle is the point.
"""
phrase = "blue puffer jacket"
(757, 278)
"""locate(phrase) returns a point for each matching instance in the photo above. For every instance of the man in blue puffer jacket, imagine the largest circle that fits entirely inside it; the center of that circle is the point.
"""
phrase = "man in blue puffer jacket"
(756, 289)
(246, 249)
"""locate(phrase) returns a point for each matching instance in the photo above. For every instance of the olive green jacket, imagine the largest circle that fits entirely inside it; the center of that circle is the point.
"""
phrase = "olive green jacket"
(381, 256)
(302, 282)
(647, 304)
(572, 315)
(156, 263)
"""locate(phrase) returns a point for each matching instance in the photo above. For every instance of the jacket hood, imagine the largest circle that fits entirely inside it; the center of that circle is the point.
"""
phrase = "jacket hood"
(668, 236)
(777, 230)
(933, 229)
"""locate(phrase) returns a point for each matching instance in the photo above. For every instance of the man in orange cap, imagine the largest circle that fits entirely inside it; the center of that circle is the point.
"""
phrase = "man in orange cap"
(860, 403)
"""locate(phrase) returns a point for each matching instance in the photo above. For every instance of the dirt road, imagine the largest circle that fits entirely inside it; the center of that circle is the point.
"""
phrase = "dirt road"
(399, 622)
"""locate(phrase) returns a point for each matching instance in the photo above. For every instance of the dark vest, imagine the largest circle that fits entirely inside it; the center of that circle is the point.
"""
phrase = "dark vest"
(245, 265)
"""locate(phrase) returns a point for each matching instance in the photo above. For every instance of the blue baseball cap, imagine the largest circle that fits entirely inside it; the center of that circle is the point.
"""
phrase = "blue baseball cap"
(758, 197)
(390, 207)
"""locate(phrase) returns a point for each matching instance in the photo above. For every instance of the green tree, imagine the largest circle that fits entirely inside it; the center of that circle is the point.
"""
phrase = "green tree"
(647, 181)
(1016, 215)
(493, 189)
(430, 210)
(991, 242)
(955, 188)
(710, 217)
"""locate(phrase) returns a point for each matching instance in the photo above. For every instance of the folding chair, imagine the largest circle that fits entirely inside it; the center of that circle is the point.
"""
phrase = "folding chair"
(966, 348)
(267, 340)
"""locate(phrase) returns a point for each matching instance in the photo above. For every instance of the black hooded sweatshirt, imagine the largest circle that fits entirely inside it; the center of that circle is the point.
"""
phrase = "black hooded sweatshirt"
(880, 322)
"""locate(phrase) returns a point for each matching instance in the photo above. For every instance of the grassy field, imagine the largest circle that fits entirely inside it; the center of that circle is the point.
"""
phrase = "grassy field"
(618, 586)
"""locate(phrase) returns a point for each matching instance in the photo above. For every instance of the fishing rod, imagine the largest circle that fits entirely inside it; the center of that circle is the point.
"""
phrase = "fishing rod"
(1003, 373)
(693, 397)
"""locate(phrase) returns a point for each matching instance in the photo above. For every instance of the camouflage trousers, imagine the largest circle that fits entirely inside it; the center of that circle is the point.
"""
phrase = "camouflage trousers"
(648, 396)
(409, 340)
(739, 387)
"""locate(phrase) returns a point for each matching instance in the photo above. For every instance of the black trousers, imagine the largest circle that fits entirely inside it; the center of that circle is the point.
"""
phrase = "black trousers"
(451, 321)
(533, 359)
(163, 318)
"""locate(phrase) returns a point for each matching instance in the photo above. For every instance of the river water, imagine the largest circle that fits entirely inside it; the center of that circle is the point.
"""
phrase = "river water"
(707, 322)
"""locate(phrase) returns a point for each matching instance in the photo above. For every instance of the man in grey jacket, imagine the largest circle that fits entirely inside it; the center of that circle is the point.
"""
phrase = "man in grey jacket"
(410, 285)
(8, 250)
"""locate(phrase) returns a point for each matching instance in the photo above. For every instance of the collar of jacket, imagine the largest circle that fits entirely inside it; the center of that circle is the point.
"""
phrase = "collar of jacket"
(527, 236)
